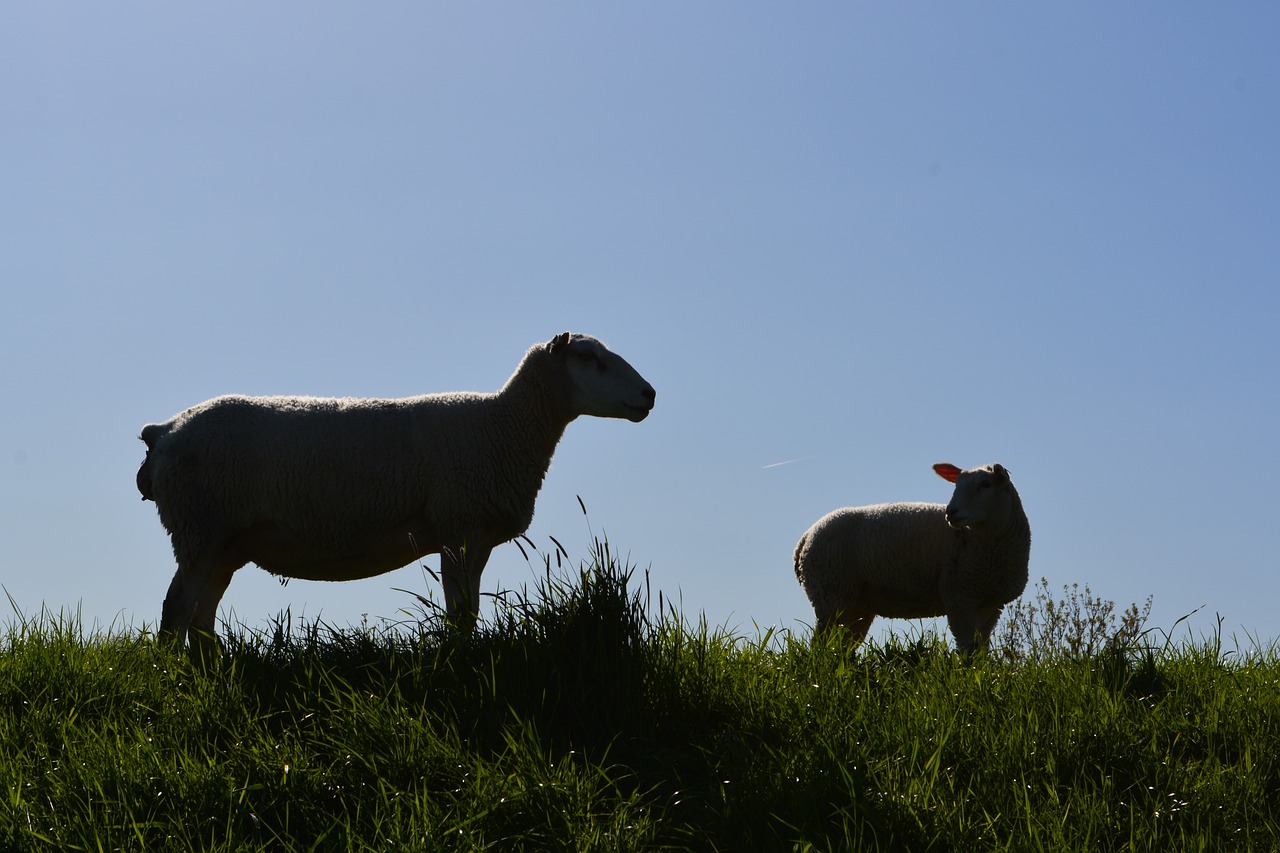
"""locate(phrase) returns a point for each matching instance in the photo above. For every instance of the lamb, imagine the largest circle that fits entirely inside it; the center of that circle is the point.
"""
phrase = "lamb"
(339, 489)
(965, 560)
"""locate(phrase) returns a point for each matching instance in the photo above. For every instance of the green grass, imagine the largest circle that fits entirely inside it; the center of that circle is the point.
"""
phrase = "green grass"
(581, 717)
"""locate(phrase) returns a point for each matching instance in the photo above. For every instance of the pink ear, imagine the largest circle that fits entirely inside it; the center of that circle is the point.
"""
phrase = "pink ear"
(947, 471)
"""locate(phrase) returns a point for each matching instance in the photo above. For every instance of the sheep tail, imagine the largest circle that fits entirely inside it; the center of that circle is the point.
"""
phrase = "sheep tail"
(150, 433)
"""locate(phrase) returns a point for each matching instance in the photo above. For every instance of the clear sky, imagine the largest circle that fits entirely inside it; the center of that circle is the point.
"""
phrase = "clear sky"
(866, 237)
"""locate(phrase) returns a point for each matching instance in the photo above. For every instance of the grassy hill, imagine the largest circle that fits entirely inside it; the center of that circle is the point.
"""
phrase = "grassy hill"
(583, 718)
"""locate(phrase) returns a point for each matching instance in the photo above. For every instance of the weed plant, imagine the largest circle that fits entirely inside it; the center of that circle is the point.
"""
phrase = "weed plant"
(1079, 625)
(581, 716)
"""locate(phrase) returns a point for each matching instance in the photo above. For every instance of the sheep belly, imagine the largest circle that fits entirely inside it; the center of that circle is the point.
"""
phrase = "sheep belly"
(898, 601)
(899, 580)
(283, 552)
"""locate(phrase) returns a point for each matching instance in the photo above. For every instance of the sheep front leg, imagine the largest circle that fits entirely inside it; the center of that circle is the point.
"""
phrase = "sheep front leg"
(460, 570)
(987, 618)
(971, 626)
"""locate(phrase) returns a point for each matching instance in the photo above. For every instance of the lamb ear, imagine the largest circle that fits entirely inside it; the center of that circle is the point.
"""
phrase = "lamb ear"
(947, 471)
(558, 341)
(1001, 472)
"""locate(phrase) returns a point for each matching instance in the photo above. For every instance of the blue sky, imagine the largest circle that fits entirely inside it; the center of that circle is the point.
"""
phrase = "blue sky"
(867, 237)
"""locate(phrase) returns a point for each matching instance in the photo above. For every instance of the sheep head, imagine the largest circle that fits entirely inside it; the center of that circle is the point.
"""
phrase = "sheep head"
(601, 383)
(982, 496)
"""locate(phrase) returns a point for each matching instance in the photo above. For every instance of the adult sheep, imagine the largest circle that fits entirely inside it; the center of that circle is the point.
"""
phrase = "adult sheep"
(965, 560)
(339, 489)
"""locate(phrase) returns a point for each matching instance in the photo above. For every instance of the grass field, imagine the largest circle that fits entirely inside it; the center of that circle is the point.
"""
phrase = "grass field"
(585, 717)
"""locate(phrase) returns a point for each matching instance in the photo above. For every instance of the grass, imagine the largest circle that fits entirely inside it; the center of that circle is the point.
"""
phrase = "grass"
(581, 717)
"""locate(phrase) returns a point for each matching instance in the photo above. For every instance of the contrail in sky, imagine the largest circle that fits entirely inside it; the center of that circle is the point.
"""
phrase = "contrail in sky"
(785, 462)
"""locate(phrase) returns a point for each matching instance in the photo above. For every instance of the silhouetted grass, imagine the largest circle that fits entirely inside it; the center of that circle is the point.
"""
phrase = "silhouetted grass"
(582, 717)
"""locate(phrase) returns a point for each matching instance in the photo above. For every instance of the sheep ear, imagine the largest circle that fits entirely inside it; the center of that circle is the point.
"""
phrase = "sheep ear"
(558, 342)
(1001, 472)
(947, 471)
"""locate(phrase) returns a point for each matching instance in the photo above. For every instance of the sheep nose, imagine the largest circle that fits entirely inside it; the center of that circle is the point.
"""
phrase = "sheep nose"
(649, 394)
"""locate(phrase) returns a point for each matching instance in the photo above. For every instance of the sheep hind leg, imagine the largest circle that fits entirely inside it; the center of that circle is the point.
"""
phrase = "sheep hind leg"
(856, 624)
(202, 633)
(460, 570)
(193, 595)
(180, 601)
